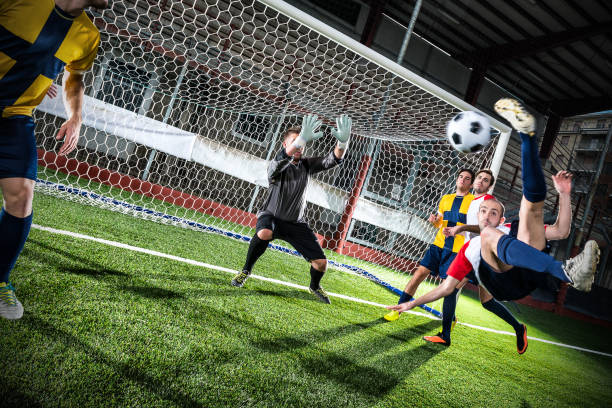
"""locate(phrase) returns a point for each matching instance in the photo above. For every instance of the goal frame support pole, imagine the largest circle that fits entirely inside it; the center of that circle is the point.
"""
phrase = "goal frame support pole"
(339, 238)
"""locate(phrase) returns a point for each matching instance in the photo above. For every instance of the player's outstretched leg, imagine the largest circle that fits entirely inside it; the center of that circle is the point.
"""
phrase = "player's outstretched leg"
(581, 268)
(317, 270)
(578, 271)
(409, 291)
(514, 112)
(531, 228)
(257, 247)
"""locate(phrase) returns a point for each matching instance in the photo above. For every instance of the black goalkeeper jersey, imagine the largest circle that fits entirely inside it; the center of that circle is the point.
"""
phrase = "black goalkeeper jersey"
(286, 195)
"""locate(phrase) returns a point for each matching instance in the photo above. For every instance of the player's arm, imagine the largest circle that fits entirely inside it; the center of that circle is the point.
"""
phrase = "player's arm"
(74, 91)
(457, 271)
(310, 125)
(342, 132)
(561, 228)
(444, 289)
(458, 229)
(436, 219)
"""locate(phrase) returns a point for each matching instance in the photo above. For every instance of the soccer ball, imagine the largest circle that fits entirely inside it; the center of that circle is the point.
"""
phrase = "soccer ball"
(469, 132)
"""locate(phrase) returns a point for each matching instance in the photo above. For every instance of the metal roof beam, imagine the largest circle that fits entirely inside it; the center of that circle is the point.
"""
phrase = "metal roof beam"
(532, 46)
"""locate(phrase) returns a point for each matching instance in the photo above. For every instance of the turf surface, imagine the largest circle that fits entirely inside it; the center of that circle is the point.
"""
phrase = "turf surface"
(107, 327)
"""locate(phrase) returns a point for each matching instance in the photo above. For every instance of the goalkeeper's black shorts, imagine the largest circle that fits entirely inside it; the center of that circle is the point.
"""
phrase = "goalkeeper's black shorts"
(298, 234)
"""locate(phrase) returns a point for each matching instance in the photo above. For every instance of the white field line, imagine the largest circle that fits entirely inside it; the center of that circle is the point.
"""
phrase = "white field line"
(293, 285)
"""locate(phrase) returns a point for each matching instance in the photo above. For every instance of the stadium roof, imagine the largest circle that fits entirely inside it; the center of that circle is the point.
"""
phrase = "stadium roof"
(555, 55)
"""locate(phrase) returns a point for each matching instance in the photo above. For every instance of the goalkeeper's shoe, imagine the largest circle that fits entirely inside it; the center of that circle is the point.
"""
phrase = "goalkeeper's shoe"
(438, 339)
(320, 294)
(10, 306)
(239, 279)
(392, 316)
(521, 339)
(515, 113)
(581, 268)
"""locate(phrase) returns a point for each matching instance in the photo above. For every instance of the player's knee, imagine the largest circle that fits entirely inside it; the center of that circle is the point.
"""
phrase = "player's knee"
(319, 264)
(265, 234)
(421, 273)
(18, 203)
(484, 296)
(489, 236)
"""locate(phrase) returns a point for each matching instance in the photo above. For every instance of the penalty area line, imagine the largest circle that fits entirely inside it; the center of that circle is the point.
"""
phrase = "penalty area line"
(279, 282)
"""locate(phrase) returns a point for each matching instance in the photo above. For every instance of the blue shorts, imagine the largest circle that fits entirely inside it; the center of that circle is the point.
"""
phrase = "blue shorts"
(18, 156)
(437, 260)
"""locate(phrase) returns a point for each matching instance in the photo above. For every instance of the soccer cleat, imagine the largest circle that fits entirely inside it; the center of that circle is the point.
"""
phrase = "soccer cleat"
(239, 279)
(581, 268)
(320, 294)
(515, 113)
(437, 339)
(392, 316)
(521, 339)
(10, 307)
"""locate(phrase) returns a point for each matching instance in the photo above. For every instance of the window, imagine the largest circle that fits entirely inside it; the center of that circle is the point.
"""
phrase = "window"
(577, 126)
(253, 128)
(565, 140)
(601, 123)
(124, 85)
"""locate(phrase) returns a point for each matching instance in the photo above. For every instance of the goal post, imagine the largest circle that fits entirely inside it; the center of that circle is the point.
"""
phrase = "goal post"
(185, 107)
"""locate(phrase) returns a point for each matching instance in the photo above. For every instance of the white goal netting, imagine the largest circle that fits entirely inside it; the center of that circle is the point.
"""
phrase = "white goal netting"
(185, 106)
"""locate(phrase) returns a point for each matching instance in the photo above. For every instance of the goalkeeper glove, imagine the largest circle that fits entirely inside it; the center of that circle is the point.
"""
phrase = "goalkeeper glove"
(309, 125)
(342, 131)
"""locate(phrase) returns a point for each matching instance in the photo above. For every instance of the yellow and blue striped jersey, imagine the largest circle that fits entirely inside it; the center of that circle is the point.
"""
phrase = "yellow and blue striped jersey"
(37, 40)
(453, 209)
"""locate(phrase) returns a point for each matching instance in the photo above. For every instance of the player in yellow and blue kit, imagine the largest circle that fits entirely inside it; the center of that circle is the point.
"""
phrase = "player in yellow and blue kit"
(38, 39)
(452, 211)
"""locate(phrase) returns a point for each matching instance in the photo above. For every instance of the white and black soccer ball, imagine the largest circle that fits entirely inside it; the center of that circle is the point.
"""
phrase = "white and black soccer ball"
(469, 131)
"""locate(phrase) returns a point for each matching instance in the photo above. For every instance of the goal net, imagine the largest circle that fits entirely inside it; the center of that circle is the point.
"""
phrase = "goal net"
(185, 107)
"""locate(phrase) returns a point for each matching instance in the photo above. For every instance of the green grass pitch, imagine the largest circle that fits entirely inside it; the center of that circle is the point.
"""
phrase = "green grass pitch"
(108, 327)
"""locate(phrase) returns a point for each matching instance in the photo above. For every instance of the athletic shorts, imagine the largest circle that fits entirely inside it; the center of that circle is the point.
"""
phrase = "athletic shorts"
(298, 234)
(437, 260)
(512, 285)
(18, 157)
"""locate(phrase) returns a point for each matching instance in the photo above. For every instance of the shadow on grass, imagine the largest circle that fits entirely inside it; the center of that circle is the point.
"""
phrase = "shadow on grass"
(342, 368)
(288, 294)
(16, 399)
(95, 270)
(153, 292)
(305, 339)
(97, 273)
(52, 257)
(163, 389)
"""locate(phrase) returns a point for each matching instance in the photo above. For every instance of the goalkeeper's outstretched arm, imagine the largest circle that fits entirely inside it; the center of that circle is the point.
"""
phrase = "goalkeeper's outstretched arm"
(444, 289)
(342, 132)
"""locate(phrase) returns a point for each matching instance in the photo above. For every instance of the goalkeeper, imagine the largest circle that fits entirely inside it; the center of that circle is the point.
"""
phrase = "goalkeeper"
(282, 215)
